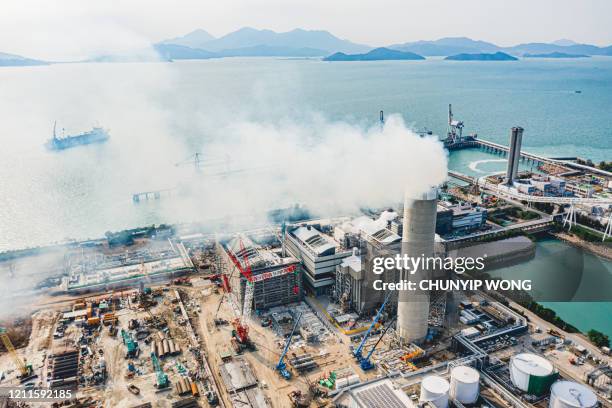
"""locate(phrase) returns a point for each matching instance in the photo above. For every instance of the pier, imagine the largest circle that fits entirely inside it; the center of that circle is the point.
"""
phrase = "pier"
(567, 162)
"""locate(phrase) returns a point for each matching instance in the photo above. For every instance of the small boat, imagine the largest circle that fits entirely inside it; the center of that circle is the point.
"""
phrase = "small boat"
(133, 389)
(578, 91)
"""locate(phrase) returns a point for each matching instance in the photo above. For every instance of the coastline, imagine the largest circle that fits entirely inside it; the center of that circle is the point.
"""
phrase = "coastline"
(600, 250)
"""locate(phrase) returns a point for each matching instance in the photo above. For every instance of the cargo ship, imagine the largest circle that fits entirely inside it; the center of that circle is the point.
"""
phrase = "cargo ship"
(95, 135)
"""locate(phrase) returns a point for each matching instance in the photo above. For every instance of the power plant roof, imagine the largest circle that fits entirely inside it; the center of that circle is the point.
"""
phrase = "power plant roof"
(315, 240)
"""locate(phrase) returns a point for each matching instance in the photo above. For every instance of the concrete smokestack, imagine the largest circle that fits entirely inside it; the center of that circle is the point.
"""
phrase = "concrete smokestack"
(417, 240)
(517, 151)
(514, 154)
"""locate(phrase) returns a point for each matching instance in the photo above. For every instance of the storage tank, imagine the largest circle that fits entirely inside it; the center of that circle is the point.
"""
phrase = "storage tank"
(531, 373)
(166, 347)
(569, 394)
(464, 384)
(435, 390)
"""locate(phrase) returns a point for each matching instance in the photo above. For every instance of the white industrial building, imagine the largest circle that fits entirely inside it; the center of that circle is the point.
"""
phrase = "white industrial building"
(320, 254)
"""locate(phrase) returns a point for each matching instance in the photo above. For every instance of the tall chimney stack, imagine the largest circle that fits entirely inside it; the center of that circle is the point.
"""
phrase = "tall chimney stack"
(418, 238)
(514, 154)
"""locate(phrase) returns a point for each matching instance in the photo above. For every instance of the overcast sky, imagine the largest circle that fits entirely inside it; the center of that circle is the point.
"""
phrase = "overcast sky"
(64, 29)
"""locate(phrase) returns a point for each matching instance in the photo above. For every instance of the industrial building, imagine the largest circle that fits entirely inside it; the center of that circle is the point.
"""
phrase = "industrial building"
(320, 253)
(93, 271)
(459, 217)
(277, 279)
(354, 276)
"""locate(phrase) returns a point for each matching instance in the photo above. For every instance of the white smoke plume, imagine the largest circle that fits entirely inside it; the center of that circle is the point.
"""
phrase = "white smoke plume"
(331, 167)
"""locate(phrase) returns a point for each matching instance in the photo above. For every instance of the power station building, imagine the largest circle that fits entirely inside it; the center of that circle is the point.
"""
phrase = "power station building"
(319, 253)
(354, 288)
(277, 278)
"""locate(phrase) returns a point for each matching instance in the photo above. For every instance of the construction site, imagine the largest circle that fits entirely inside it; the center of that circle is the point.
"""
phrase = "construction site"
(231, 321)
(287, 315)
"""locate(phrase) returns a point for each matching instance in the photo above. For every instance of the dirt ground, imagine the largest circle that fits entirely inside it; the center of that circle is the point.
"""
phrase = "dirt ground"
(334, 352)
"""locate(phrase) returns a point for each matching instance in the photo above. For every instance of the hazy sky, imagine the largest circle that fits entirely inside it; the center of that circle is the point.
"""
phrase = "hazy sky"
(72, 28)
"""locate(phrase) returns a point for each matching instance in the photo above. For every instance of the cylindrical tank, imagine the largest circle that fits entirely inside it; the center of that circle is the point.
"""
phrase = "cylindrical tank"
(166, 347)
(160, 349)
(569, 394)
(464, 384)
(194, 388)
(419, 229)
(531, 373)
(435, 390)
(171, 346)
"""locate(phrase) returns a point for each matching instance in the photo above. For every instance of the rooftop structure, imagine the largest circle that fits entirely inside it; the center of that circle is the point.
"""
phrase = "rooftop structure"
(379, 393)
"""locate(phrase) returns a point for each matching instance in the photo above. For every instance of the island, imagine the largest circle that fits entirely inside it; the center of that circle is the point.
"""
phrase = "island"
(498, 56)
(556, 55)
(377, 54)
(12, 60)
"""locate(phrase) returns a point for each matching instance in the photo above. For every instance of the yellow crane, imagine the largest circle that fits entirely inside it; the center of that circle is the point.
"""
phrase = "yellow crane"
(24, 369)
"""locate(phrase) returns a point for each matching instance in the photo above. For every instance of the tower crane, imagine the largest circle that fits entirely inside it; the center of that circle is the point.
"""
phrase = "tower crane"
(24, 370)
(281, 366)
(357, 352)
(365, 363)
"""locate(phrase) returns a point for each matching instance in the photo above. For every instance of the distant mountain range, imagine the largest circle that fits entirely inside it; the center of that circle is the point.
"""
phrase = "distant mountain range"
(463, 45)
(251, 42)
(247, 41)
(556, 55)
(314, 43)
(377, 54)
(497, 56)
(11, 60)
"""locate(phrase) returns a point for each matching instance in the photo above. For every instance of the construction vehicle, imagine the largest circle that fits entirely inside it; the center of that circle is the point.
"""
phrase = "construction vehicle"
(130, 344)
(281, 366)
(555, 333)
(25, 370)
(358, 351)
(133, 389)
(365, 363)
(185, 281)
(161, 379)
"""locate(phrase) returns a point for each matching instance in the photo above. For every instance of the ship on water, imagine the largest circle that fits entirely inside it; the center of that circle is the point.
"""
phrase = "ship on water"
(95, 135)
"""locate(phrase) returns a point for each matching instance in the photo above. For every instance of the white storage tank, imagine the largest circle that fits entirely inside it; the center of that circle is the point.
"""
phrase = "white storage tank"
(464, 384)
(531, 373)
(569, 394)
(435, 390)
